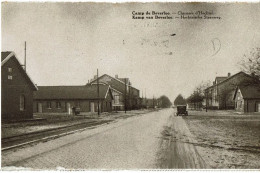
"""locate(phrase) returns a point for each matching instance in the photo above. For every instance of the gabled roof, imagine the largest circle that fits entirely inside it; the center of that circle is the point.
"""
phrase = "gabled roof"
(125, 79)
(6, 56)
(249, 92)
(121, 80)
(220, 79)
(101, 83)
(228, 78)
(72, 92)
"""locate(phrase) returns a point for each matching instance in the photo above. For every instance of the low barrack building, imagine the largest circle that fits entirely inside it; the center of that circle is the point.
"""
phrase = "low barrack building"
(247, 98)
(61, 99)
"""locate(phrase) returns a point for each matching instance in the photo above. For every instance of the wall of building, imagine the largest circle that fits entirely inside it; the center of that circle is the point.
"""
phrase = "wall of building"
(12, 89)
(132, 93)
(221, 96)
(252, 105)
(240, 104)
(84, 105)
(227, 89)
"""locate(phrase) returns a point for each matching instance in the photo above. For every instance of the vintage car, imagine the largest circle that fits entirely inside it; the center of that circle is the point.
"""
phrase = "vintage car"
(182, 110)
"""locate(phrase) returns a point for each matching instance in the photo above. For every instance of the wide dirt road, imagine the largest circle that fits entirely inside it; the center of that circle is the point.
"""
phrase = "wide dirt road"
(139, 142)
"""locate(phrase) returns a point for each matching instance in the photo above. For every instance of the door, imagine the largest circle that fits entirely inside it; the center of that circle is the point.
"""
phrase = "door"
(68, 108)
(39, 107)
(92, 107)
(258, 107)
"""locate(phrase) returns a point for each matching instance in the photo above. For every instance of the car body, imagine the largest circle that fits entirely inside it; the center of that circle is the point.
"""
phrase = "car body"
(182, 110)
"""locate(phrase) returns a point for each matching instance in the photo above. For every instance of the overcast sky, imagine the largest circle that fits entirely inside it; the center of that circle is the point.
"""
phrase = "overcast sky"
(67, 42)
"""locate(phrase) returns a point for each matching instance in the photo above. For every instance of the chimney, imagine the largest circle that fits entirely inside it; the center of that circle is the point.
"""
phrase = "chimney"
(116, 76)
(229, 74)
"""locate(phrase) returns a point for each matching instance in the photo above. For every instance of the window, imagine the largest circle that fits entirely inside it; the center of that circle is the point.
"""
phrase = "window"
(22, 103)
(58, 105)
(10, 77)
(48, 105)
(117, 99)
(10, 70)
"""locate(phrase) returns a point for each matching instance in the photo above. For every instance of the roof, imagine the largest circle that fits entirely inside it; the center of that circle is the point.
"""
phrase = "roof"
(6, 56)
(71, 92)
(249, 92)
(228, 78)
(124, 80)
(220, 79)
(121, 80)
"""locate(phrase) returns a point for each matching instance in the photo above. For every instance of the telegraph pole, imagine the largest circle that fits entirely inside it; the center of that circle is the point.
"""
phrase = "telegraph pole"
(125, 95)
(130, 98)
(98, 92)
(145, 99)
(153, 101)
(206, 93)
(25, 56)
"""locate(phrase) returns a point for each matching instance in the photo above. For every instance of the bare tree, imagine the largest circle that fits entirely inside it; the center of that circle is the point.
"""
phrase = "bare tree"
(198, 95)
(250, 62)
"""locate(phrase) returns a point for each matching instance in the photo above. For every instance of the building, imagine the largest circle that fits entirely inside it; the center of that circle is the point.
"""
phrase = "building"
(61, 99)
(118, 87)
(17, 89)
(247, 98)
(220, 94)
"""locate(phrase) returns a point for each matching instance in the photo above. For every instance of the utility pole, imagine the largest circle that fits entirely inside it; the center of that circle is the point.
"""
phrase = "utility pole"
(206, 94)
(153, 101)
(145, 98)
(130, 98)
(25, 56)
(98, 92)
(125, 95)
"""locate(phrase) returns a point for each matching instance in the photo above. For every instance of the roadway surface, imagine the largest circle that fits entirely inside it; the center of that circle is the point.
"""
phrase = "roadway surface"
(147, 141)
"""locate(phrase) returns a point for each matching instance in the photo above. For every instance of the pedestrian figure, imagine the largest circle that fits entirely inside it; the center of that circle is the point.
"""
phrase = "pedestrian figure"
(73, 110)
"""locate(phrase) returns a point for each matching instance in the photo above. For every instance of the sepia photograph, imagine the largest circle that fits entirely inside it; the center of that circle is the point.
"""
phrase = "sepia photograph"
(130, 86)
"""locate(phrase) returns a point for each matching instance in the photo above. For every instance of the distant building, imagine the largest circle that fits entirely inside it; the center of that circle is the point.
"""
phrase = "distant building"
(17, 89)
(118, 87)
(63, 98)
(220, 94)
(247, 98)
(150, 103)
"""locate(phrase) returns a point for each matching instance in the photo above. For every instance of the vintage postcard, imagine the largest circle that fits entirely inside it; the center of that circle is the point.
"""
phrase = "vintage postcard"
(130, 86)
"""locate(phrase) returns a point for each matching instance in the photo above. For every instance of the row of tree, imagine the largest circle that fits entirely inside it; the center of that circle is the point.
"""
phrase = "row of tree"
(195, 100)
(164, 102)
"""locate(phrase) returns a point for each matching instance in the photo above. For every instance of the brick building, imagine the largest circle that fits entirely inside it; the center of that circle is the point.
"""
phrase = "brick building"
(118, 87)
(17, 89)
(220, 94)
(61, 99)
